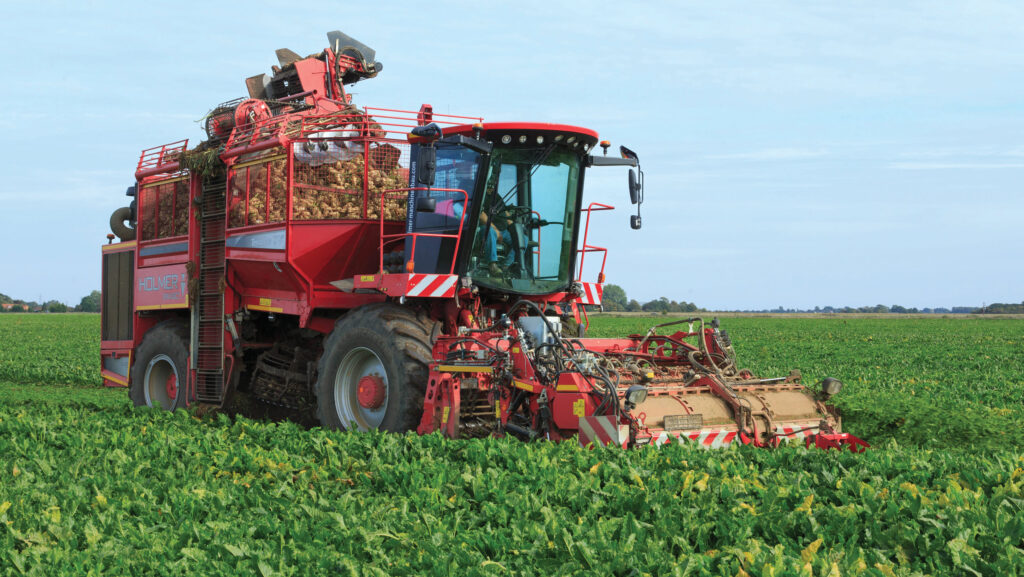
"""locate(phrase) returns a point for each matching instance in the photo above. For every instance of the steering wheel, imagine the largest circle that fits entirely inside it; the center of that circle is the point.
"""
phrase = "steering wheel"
(513, 212)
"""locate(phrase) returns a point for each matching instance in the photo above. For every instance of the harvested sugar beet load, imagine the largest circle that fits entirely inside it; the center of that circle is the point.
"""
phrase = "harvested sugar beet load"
(407, 270)
(330, 176)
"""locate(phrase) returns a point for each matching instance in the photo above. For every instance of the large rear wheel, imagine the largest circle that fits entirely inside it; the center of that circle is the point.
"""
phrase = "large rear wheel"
(159, 375)
(373, 371)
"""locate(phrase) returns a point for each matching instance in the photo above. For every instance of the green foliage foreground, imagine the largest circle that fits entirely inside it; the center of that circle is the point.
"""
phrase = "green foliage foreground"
(98, 488)
(89, 485)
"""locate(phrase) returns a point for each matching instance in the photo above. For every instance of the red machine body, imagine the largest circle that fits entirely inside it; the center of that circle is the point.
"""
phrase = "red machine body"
(405, 270)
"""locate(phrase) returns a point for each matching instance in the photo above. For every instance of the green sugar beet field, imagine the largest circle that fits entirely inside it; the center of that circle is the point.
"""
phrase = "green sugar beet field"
(91, 486)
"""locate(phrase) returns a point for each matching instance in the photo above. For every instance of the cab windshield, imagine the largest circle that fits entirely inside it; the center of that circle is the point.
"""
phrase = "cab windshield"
(523, 241)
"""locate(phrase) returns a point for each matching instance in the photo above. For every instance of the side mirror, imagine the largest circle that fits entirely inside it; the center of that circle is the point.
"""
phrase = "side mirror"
(634, 221)
(426, 165)
(426, 204)
(634, 187)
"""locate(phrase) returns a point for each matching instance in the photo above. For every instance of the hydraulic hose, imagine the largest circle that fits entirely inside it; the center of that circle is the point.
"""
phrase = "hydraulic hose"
(118, 226)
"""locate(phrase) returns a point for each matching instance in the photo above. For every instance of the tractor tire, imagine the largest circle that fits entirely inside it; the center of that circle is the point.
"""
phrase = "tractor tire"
(118, 226)
(159, 375)
(373, 371)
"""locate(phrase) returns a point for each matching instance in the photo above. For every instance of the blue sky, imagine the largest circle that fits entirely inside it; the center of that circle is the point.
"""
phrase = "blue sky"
(796, 154)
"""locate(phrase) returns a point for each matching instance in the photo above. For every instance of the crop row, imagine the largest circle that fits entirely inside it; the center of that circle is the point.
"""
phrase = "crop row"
(102, 488)
(59, 349)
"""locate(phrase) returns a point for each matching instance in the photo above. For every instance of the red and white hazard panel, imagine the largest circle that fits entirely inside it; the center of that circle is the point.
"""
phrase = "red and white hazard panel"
(432, 285)
(706, 438)
(795, 432)
(592, 293)
(600, 431)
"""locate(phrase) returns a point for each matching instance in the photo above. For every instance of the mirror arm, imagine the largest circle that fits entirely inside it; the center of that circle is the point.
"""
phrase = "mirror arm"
(611, 161)
(481, 146)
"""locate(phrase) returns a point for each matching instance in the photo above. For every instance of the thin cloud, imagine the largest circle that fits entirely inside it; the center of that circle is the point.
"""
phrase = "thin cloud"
(979, 152)
(954, 165)
(770, 154)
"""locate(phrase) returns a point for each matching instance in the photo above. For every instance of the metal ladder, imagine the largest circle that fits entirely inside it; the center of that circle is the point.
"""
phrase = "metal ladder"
(208, 312)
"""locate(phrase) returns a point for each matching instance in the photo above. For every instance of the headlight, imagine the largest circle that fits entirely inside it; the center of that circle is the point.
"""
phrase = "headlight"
(831, 386)
(636, 394)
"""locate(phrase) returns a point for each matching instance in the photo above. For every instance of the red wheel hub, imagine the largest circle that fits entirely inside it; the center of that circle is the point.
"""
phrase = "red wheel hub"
(371, 391)
(172, 387)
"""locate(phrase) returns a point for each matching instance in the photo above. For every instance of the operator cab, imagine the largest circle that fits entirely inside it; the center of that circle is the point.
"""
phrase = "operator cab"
(523, 185)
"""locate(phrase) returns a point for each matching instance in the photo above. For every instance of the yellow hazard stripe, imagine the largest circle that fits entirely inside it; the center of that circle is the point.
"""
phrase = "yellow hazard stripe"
(264, 308)
(107, 375)
(183, 305)
(463, 369)
(119, 246)
(523, 385)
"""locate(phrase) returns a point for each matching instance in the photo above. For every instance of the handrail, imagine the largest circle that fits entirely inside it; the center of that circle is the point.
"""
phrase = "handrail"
(592, 207)
(536, 252)
(415, 235)
(392, 124)
(438, 117)
(160, 159)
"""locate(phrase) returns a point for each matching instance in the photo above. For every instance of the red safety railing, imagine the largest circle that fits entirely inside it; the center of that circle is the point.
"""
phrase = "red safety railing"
(411, 257)
(372, 123)
(159, 155)
(593, 207)
(261, 135)
(379, 123)
(402, 121)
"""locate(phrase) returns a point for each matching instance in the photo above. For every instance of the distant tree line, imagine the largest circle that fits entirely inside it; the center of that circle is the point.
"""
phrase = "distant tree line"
(615, 299)
(898, 309)
(1001, 308)
(89, 304)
